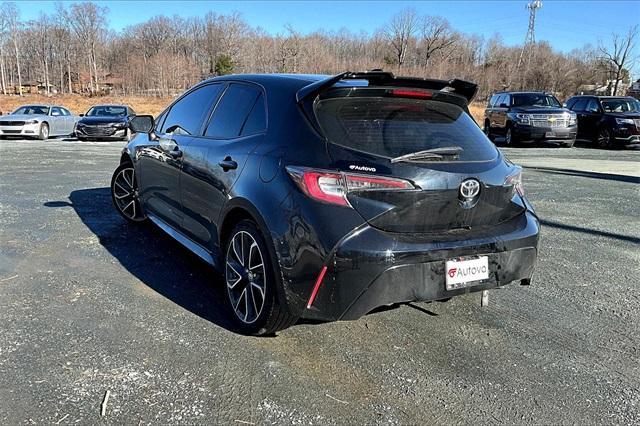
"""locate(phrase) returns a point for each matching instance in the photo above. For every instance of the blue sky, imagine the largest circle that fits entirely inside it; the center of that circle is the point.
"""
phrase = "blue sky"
(565, 24)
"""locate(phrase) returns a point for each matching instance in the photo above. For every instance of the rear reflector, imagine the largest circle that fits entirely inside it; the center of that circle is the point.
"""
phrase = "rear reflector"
(415, 94)
(332, 186)
(314, 293)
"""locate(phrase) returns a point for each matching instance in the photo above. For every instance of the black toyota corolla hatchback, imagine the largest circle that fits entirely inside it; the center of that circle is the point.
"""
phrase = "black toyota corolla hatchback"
(325, 197)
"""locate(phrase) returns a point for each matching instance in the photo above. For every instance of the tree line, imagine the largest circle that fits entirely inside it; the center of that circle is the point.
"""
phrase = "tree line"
(73, 50)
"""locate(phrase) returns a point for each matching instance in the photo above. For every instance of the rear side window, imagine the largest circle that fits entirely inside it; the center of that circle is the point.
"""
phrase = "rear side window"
(391, 127)
(592, 105)
(257, 120)
(232, 111)
(580, 105)
(187, 115)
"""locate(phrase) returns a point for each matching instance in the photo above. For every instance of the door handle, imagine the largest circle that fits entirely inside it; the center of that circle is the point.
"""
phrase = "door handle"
(228, 164)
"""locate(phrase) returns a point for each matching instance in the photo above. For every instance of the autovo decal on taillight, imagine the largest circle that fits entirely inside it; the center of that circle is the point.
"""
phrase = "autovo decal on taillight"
(333, 186)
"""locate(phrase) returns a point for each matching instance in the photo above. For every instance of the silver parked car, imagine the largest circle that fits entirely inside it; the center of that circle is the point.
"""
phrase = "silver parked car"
(38, 121)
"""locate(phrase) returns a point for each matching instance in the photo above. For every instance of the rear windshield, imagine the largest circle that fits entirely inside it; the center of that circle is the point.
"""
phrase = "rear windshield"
(391, 127)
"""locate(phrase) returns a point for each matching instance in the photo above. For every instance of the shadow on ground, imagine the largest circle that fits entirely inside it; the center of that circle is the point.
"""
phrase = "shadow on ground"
(582, 173)
(151, 256)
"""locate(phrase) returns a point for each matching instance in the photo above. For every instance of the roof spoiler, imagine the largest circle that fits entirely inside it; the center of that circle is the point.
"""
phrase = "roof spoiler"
(463, 88)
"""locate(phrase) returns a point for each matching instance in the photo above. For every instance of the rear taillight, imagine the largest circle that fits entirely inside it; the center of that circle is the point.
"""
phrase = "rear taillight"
(333, 187)
(515, 181)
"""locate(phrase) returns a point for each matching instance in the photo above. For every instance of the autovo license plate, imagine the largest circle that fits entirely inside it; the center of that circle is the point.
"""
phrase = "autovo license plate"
(462, 273)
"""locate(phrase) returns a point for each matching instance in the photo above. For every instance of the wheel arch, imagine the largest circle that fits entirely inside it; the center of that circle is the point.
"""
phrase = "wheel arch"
(237, 210)
(125, 157)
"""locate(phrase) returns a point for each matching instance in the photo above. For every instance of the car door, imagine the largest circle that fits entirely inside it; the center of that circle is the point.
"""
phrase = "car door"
(57, 122)
(579, 107)
(501, 112)
(69, 121)
(592, 116)
(160, 162)
(213, 162)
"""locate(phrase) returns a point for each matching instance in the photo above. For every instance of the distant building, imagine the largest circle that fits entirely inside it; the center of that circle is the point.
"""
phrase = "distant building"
(600, 89)
(634, 89)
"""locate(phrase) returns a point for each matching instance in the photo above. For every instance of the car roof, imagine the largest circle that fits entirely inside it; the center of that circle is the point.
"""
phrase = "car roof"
(294, 81)
(110, 105)
(531, 92)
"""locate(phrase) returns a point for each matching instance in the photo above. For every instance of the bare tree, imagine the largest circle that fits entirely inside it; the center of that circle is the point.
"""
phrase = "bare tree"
(399, 33)
(435, 35)
(619, 55)
(89, 22)
(11, 16)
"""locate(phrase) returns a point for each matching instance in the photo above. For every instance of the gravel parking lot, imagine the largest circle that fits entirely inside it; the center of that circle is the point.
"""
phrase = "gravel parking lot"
(89, 304)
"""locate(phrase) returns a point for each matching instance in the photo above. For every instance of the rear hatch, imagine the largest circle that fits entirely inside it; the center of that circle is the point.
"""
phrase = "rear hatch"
(370, 130)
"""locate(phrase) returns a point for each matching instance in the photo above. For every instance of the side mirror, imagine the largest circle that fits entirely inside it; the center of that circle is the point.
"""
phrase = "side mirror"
(81, 115)
(141, 124)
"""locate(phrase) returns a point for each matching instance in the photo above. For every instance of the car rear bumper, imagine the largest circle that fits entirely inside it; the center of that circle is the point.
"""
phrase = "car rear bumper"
(371, 268)
(545, 134)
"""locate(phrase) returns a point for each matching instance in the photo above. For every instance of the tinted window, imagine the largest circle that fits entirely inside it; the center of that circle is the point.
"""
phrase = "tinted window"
(65, 111)
(131, 112)
(620, 105)
(232, 111)
(107, 111)
(392, 127)
(535, 99)
(592, 105)
(492, 101)
(56, 111)
(257, 120)
(188, 114)
(580, 105)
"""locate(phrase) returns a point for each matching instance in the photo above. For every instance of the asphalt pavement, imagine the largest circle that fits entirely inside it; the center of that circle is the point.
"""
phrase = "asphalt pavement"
(89, 304)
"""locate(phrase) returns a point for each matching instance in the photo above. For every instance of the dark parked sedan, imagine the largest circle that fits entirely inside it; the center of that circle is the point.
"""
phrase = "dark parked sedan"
(326, 197)
(608, 121)
(105, 122)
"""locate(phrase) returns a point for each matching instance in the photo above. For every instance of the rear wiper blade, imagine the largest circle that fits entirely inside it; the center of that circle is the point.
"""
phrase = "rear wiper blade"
(430, 154)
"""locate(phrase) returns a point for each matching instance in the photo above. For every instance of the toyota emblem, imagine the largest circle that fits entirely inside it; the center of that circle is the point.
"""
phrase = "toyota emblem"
(469, 189)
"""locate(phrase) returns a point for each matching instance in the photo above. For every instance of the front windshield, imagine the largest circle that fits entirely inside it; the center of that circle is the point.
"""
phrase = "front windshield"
(32, 110)
(535, 100)
(620, 105)
(107, 111)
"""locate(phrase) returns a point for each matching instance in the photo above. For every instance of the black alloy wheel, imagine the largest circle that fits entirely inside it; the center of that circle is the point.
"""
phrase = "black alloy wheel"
(124, 193)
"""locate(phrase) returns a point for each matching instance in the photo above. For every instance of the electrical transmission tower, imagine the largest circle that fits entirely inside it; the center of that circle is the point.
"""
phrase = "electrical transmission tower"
(530, 39)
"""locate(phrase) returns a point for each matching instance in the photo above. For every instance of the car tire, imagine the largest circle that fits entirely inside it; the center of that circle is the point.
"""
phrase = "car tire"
(124, 194)
(251, 283)
(43, 133)
(487, 130)
(604, 139)
(509, 139)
